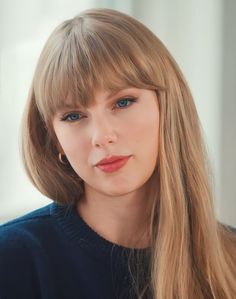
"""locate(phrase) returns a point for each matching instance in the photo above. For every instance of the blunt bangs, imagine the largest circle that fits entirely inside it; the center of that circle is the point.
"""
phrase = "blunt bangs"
(83, 55)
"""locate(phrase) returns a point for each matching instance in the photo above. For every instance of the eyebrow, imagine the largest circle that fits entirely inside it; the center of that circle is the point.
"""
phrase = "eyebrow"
(110, 95)
(120, 90)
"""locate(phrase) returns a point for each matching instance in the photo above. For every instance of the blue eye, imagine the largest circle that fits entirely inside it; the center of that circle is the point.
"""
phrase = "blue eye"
(120, 104)
(72, 117)
(125, 102)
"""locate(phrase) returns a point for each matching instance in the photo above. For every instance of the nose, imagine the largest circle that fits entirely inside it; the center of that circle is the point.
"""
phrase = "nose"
(103, 132)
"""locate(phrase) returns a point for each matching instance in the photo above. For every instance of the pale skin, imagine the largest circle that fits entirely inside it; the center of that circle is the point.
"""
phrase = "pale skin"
(115, 204)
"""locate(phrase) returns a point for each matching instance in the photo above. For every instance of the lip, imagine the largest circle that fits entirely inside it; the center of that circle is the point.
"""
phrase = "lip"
(113, 163)
(111, 159)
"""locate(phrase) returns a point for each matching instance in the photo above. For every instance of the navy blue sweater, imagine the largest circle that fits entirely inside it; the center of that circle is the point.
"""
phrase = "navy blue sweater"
(51, 253)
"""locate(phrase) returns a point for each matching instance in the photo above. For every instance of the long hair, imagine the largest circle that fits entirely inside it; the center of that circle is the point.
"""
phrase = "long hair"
(193, 255)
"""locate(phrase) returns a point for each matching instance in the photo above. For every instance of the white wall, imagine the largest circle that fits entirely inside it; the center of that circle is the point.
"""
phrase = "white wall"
(228, 112)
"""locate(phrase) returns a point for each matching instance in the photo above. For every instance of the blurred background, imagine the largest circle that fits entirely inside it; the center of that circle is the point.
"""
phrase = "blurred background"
(201, 35)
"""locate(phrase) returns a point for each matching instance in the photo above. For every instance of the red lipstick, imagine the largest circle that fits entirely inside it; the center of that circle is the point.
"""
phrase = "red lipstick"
(113, 163)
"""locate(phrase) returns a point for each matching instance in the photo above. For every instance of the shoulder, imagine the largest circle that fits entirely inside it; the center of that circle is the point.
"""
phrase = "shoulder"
(22, 238)
(21, 231)
(29, 217)
(21, 252)
(226, 232)
(229, 228)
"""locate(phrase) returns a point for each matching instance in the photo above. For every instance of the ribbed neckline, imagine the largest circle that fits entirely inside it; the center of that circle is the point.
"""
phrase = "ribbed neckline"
(84, 236)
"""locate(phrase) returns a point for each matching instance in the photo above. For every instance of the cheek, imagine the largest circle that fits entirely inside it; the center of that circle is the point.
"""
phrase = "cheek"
(145, 133)
(71, 145)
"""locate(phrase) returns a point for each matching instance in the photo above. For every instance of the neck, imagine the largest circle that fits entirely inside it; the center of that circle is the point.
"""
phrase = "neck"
(119, 219)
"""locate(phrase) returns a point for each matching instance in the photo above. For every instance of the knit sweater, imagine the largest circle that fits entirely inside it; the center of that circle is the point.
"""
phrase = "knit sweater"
(52, 253)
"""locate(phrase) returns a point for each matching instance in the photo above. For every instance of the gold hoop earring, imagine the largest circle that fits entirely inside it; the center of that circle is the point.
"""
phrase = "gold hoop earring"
(60, 159)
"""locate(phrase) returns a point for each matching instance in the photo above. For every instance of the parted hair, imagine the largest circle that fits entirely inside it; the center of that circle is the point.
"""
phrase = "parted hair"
(193, 255)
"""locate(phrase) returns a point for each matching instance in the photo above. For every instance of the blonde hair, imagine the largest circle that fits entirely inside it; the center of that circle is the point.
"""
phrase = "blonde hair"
(193, 255)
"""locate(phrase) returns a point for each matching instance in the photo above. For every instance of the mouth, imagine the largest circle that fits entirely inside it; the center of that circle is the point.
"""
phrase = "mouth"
(112, 164)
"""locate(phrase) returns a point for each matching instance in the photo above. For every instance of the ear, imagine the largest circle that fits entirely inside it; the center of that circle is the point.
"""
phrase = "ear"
(54, 139)
(59, 148)
(57, 144)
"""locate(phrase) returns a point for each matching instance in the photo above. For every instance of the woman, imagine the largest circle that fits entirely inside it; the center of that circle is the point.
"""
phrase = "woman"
(111, 135)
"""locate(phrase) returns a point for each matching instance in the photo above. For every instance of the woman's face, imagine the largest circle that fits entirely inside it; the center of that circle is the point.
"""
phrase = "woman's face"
(122, 124)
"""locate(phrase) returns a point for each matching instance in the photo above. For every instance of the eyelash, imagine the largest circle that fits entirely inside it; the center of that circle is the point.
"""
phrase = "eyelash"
(67, 116)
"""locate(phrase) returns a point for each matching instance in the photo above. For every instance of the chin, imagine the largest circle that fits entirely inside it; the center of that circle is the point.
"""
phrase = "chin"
(119, 191)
